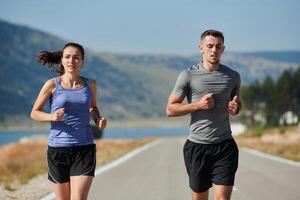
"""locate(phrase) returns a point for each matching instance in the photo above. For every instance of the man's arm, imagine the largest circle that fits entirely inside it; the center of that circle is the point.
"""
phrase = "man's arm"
(176, 107)
(234, 106)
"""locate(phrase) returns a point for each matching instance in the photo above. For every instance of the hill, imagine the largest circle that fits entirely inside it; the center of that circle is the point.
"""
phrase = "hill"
(125, 91)
(282, 56)
(130, 86)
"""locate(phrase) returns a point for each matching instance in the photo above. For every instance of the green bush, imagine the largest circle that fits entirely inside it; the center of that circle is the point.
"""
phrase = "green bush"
(259, 130)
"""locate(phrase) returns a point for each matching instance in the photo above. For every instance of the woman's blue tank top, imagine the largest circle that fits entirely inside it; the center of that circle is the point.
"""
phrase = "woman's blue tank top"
(74, 128)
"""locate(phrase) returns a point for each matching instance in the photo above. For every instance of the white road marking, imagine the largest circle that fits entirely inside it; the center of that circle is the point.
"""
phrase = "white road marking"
(271, 157)
(113, 164)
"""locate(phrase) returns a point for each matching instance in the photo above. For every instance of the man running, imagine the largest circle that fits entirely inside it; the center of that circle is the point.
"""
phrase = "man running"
(212, 91)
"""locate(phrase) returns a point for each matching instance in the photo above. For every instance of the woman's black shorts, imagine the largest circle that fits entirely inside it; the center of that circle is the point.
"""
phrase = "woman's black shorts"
(210, 163)
(64, 162)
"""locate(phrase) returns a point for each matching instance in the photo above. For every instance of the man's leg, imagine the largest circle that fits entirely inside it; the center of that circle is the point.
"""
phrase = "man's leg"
(200, 195)
(198, 169)
(222, 192)
(224, 169)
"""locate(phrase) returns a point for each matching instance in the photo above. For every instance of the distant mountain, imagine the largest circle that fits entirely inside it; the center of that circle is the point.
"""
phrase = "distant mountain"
(282, 56)
(251, 68)
(125, 91)
(20, 76)
(130, 86)
(256, 68)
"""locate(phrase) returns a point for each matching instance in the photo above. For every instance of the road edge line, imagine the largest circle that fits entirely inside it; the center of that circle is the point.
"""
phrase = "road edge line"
(114, 163)
(271, 157)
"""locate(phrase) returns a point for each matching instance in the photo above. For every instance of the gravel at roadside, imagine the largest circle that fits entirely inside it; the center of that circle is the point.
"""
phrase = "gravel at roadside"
(35, 189)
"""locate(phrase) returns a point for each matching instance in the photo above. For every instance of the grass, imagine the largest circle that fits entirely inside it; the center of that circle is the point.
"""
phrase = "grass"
(279, 141)
(20, 162)
(289, 151)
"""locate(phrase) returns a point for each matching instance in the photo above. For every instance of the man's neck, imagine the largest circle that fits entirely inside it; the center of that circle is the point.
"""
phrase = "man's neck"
(210, 66)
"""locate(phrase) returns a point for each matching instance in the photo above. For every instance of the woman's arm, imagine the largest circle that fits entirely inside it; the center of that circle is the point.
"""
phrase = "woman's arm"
(99, 120)
(37, 112)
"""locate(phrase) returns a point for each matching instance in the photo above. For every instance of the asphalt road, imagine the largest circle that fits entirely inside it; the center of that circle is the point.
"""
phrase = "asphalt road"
(158, 173)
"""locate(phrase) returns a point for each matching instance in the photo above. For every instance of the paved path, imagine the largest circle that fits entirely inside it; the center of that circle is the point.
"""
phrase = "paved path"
(158, 173)
(260, 177)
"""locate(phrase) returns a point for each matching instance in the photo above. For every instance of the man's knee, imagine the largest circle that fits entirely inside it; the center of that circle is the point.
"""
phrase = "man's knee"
(222, 192)
(200, 195)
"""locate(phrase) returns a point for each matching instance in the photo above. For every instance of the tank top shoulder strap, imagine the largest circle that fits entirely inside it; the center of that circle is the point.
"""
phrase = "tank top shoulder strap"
(57, 81)
(85, 81)
(57, 85)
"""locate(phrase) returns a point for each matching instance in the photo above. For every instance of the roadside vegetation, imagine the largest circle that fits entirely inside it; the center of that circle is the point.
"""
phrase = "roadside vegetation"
(271, 110)
(281, 141)
(272, 102)
(22, 161)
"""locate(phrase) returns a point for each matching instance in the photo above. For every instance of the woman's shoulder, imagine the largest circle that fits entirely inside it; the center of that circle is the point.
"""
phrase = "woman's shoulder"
(51, 82)
(87, 80)
(90, 81)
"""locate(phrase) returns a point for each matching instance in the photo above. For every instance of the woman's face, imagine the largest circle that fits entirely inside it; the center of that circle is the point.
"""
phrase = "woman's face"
(72, 60)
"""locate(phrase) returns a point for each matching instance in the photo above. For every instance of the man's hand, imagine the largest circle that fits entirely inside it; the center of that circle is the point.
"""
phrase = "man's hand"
(207, 102)
(234, 105)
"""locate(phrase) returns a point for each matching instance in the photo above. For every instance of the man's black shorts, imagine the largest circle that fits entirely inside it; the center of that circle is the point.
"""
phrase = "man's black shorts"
(210, 163)
(64, 162)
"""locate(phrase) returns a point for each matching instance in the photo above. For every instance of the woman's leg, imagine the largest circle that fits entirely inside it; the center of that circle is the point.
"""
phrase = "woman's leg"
(80, 186)
(62, 191)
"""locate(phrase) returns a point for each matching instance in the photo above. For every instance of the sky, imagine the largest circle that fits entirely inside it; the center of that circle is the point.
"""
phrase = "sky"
(161, 26)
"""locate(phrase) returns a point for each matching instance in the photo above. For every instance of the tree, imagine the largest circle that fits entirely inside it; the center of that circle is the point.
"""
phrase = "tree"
(295, 93)
(252, 99)
(272, 98)
(284, 92)
(270, 95)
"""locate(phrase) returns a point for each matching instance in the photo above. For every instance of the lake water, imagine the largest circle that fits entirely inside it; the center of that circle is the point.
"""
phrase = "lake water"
(14, 136)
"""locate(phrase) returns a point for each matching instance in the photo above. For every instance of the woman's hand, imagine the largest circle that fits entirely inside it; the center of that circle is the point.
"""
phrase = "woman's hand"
(58, 114)
(101, 123)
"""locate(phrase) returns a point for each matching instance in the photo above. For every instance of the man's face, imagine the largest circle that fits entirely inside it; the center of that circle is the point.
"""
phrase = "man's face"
(212, 48)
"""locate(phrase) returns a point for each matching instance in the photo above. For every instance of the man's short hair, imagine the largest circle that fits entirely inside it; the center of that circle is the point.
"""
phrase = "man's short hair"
(212, 32)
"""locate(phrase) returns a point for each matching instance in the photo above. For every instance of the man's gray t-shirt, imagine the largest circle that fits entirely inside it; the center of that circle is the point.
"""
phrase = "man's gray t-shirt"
(209, 126)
